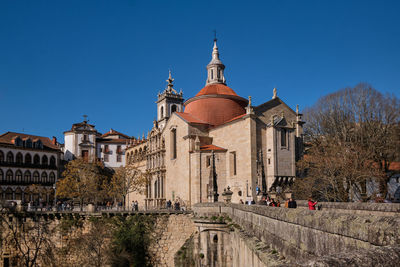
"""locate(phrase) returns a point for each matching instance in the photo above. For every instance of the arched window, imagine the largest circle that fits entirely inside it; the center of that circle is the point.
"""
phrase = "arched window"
(9, 194)
(45, 160)
(173, 144)
(28, 158)
(19, 158)
(44, 177)
(1, 175)
(1, 156)
(10, 157)
(52, 178)
(18, 194)
(18, 176)
(36, 159)
(35, 177)
(52, 161)
(27, 177)
(9, 176)
(173, 109)
(162, 112)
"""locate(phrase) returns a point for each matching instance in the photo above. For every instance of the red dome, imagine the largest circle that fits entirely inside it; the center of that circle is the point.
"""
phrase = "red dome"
(216, 104)
(216, 89)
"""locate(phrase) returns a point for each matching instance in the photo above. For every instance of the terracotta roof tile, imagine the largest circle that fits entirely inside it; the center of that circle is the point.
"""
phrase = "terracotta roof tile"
(8, 138)
(189, 118)
(114, 132)
(394, 166)
(216, 89)
(212, 147)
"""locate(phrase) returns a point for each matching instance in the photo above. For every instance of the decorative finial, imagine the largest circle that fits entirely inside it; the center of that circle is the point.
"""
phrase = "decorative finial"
(215, 35)
(249, 109)
(297, 109)
(274, 95)
(170, 84)
(85, 120)
(283, 115)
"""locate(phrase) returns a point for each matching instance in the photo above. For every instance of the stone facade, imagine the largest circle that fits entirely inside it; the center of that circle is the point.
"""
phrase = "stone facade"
(220, 140)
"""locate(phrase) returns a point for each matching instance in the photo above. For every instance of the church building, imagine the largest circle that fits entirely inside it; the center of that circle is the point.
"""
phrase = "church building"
(215, 140)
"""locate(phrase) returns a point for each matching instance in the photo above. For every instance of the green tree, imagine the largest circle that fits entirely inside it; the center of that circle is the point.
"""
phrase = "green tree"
(131, 241)
(85, 181)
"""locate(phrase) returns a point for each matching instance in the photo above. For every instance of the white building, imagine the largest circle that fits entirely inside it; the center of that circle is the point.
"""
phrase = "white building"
(83, 140)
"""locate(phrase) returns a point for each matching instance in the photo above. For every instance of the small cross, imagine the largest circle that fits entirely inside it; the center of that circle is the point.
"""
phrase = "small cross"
(215, 35)
(85, 117)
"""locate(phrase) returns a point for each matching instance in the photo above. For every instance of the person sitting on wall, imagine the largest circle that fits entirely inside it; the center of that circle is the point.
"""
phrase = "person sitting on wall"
(292, 204)
(311, 204)
(287, 203)
(241, 201)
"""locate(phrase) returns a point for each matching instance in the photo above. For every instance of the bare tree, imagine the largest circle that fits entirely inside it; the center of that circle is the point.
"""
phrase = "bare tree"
(28, 238)
(353, 136)
(126, 180)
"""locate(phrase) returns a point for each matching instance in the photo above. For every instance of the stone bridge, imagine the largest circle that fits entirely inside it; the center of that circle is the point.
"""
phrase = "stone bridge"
(341, 234)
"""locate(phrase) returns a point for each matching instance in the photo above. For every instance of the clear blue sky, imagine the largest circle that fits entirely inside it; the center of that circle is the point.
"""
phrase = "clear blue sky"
(109, 59)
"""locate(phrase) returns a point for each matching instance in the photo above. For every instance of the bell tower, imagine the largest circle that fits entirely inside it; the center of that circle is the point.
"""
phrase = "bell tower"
(215, 69)
(168, 102)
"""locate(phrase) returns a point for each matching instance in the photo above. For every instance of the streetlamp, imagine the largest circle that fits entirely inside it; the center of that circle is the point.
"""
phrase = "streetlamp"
(55, 196)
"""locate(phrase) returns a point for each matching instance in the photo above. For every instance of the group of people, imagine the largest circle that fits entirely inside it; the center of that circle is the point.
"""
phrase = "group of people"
(289, 203)
(177, 205)
(135, 205)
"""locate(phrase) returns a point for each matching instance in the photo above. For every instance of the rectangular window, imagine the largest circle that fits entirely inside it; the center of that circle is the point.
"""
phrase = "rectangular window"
(233, 164)
(106, 158)
(269, 161)
(119, 149)
(106, 149)
(208, 161)
(173, 144)
(119, 158)
(283, 138)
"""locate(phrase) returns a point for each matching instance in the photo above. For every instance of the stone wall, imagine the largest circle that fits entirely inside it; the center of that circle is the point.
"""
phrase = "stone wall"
(302, 235)
(170, 234)
(362, 208)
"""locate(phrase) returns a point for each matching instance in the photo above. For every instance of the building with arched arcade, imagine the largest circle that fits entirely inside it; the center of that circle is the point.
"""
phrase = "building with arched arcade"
(29, 167)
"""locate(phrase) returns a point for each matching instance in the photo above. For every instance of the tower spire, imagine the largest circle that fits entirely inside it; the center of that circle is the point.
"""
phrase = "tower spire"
(215, 69)
(170, 85)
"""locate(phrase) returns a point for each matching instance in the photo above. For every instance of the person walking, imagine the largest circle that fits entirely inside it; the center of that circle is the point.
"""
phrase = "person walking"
(311, 204)
(136, 205)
